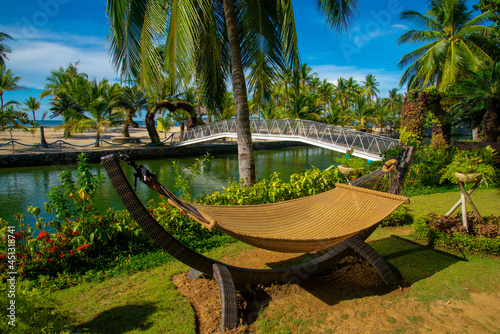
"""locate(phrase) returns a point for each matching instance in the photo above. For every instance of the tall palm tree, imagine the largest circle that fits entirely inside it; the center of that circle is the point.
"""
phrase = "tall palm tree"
(282, 88)
(455, 42)
(370, 89)
(226, 39)
(361, 112)
(305, 77)
(33, 105)
(260, 81)
(4, 49)
(479, 95)
(8, 83)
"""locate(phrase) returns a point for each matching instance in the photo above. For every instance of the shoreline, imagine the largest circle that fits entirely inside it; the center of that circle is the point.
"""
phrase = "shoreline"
(61, 154)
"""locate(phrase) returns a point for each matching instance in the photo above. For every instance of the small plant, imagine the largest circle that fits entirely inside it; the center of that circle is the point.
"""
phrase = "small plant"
(183, 180)
(350, 161)
(476, 161)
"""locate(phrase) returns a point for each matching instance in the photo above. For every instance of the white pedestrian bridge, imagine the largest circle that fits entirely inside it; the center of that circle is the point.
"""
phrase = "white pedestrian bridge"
(364, 145)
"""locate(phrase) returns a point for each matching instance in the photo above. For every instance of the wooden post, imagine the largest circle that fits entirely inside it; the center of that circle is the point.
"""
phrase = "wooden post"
(464, 199)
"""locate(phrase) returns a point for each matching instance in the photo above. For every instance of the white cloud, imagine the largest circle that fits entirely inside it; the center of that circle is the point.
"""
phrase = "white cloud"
(400, 26)
(33, 61)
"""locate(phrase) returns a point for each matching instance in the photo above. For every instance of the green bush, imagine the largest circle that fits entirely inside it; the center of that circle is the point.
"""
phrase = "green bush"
(399, 217)
(421, 228)
(273, 189)
(448, 232)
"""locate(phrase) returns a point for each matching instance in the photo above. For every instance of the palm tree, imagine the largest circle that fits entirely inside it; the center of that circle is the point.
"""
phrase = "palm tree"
(33, 105)
(227, 110)
(283, 84)
(456, 42)
(96, 99)
(226, 40)
(361, 112)
(479, 97)
(260, 81)
(370, 87)
(326, 93)
(8, 83)
(4, 49)
(305, 77)
(394, 101)
(131, 100)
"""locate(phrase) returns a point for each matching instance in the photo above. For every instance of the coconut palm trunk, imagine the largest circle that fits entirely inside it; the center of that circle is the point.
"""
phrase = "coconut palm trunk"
(245, 148)
(491, 121)
(151, 127)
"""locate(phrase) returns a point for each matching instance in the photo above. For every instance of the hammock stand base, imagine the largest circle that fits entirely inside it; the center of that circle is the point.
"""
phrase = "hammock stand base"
(227, 275)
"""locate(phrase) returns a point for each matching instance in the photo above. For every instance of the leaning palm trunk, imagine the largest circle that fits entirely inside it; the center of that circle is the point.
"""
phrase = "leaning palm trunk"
(245, 148)
(127, 124)
(150, 126)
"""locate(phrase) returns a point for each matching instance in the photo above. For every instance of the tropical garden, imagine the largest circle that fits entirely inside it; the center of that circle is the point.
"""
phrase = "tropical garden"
(451, 80)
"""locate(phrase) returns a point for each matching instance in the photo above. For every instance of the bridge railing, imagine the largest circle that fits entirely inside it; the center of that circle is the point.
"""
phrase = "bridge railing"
(308, 131)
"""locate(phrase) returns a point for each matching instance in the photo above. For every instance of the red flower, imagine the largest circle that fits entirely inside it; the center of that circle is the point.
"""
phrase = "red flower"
(74, 233)
(83, 247)
(71, 252)
(42, 235)
(50, 260)
(89, 207)
(53, 248)
(64, 239)
(100, 217)
(2, 256)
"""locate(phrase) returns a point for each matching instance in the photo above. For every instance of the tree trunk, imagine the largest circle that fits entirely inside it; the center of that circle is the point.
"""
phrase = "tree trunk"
(475, 134)
(150, 126)
(246, 161)
(97, 138)
(491, 121)
(128, 122)
(43, 142)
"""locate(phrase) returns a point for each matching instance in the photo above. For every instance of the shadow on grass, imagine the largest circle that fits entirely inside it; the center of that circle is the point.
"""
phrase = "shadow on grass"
(411, 260)
(120, 319)
(354, 278)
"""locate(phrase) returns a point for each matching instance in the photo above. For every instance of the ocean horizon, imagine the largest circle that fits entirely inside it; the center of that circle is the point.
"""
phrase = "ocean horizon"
(56, 122)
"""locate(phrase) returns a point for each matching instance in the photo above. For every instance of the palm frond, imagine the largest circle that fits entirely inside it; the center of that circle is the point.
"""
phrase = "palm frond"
(338, 13)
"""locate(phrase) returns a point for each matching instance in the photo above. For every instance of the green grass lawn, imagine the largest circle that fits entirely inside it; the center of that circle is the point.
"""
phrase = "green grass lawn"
(487, 201)
(148, 302)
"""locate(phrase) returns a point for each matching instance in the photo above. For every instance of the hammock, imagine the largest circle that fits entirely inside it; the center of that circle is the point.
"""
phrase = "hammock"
(300, 225)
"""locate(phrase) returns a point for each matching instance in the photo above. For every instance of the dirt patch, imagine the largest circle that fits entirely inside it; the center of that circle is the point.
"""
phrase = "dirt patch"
(349, 298)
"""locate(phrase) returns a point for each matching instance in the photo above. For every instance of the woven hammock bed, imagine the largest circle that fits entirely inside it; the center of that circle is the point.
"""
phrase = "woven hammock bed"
(300, 225)
(335, 223)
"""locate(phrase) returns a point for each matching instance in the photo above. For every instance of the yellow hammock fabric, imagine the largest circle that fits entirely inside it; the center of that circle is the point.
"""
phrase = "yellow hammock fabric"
(300, 225)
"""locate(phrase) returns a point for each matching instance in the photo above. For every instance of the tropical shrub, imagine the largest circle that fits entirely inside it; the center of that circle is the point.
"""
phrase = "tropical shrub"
(399, 217)
(273, 189)
(478, 160)
(448, 232)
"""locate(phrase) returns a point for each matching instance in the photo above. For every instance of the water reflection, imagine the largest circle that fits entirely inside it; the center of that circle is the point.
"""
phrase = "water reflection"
(24, 186)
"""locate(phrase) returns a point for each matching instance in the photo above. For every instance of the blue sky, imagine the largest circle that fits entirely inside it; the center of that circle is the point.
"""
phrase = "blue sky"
(49, 34)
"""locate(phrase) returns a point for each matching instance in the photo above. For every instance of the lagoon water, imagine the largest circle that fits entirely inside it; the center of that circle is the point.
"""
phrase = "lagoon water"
(25, 186)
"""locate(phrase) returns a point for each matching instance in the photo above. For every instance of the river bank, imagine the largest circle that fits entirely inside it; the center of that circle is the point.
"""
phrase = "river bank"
(25, 151)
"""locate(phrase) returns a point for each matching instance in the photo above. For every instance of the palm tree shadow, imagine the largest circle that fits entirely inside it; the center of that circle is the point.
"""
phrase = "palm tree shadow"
(120, 319)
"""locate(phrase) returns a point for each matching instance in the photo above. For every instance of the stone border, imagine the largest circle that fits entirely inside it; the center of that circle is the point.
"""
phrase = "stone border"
(160, 152)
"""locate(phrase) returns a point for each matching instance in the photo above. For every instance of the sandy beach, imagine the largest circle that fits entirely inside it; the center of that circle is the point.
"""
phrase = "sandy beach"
(26, 140)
